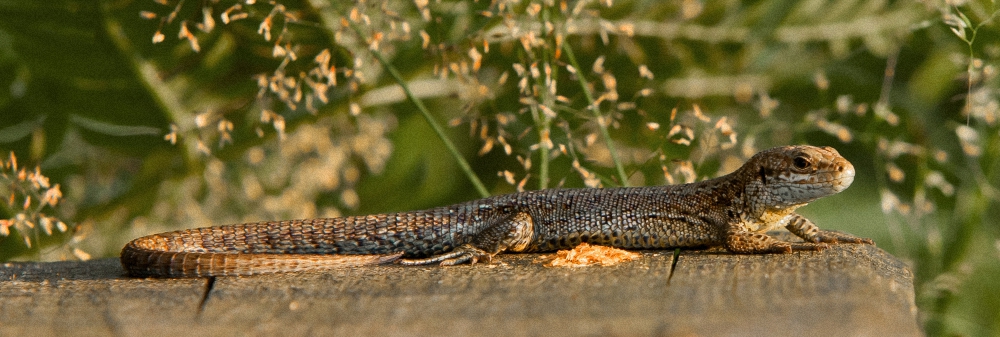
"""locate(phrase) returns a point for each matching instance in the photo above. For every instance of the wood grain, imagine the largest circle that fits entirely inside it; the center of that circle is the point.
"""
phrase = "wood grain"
(848, 290)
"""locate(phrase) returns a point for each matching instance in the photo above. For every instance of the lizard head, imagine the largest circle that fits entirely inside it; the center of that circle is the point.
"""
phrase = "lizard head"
(791, 176)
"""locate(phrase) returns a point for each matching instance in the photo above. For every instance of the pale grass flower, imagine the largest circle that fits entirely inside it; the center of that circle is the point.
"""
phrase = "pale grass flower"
(22, 188)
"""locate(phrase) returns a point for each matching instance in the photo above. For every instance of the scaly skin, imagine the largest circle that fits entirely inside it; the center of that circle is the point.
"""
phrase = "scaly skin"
(733, 211)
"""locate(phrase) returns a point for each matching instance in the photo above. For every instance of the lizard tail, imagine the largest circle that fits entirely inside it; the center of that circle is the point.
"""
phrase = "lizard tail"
(141, 260)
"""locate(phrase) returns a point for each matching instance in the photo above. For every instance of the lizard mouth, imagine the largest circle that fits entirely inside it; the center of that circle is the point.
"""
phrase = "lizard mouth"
(835, 183)
(831, 182)
(842, 183)
(845, 178)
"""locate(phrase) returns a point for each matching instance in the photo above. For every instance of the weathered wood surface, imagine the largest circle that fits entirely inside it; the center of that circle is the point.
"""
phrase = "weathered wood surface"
(851, 290)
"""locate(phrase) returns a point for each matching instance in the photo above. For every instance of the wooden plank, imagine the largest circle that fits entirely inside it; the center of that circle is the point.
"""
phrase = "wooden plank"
(849, 290)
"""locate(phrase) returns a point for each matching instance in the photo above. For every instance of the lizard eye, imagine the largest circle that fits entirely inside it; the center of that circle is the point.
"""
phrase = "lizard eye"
(801, 162)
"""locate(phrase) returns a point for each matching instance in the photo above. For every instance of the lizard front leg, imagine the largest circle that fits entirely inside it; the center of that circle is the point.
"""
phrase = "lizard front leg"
(514, 233)
(808, 231)
(744, 242)
(739, 240)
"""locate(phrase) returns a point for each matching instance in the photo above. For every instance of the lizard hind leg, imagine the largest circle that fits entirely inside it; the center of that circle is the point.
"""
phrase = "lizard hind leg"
(514, 233)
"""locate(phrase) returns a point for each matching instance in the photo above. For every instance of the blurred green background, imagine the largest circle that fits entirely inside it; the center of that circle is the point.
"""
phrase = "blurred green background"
(121, 118)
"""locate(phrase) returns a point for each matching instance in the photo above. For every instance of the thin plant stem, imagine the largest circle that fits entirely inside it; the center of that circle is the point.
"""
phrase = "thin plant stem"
(462, 163)
(601, 123)
(169, 103)
(544, 122)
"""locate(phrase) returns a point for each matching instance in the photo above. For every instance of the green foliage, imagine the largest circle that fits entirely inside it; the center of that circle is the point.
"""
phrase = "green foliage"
(154, 115)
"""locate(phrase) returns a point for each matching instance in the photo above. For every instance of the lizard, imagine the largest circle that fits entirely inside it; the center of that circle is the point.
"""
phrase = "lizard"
(733, 211)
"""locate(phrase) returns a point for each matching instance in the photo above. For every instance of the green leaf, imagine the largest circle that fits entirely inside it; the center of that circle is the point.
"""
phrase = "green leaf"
(18, 131)
(114, 129)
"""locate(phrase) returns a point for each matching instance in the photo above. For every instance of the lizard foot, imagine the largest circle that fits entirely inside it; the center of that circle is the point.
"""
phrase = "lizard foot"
(808, 231)
(758, 243)
(807, 246)
(461, 254)
(838, 237)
